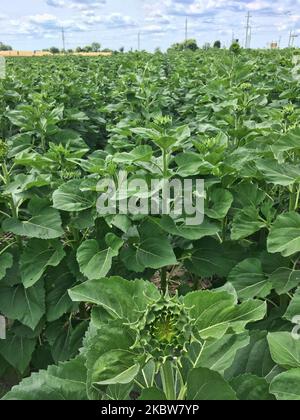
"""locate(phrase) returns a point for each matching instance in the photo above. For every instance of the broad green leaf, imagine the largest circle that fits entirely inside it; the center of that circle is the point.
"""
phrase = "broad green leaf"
(13, 274)
(24, 305)
(6, 262)
(66, 340)
(65, 382)
(293, 311)
(189, 164)
(245, 223)
(120, 298)
(249, 195)
(95, 263)
(253, 359)
(146, 133)
(138, 154)
(207, 385)
(251, 388)
(285, 350)
(155, 253)
(210, 258)
(37, 256)
(17, 351)
(115, 367)
(33, 160)
(286, 142)
(219, 203)
(113, 335)
(191, 233)
(217, 355)
(284, 236)
(24, 182)
(152, 394)
(278, 174)
(284, 280)
(58, 281)
(83, 220)
(249, 280)
(44, 225)
(71, 140)
(286, 386)
(216, 313)
(19, 143)
(118, 392)
(121, 221)
(69, 197)
(129, 257)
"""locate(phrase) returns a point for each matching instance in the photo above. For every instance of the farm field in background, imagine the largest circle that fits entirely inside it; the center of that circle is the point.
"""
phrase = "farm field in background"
(126, 307)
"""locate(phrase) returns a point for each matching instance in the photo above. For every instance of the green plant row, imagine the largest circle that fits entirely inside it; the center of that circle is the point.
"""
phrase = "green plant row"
(145, 307)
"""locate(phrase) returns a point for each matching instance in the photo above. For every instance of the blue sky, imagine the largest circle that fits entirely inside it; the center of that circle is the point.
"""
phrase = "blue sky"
(36, 24)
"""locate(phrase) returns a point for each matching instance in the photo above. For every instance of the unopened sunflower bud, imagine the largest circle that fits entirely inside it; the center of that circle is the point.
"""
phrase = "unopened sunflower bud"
(165, 330)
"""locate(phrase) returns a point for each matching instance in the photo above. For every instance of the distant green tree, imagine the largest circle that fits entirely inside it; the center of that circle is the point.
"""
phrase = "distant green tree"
(217, 44)
(54, 50)
(176, 47)
(96, 47)
(4, 47)
(78, 49)
(122, 49)
(189, 44)
(87, 48)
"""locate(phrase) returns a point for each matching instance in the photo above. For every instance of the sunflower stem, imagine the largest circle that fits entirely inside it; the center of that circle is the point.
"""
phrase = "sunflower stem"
(164, 280)
(168, 381)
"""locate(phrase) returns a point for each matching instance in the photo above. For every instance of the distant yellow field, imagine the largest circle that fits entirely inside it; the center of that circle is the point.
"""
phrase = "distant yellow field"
(45, 53)
(23, 53)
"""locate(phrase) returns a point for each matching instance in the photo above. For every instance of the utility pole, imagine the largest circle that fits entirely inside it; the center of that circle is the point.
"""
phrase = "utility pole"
(293, 36)
(250, 36)
(290, 39)
(248, 31)
(63, 38)
(186, 29)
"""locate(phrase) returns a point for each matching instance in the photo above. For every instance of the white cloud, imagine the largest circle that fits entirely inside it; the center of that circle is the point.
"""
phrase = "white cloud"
(119, 20)
(76, 4)
(56, 3)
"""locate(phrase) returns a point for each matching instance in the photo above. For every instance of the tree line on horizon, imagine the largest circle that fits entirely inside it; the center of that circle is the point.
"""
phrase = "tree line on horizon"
(190, 44)
(4, 47)
(187, 45)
